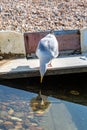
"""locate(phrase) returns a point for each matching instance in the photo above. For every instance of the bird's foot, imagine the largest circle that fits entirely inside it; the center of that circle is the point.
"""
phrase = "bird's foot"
(49, 65)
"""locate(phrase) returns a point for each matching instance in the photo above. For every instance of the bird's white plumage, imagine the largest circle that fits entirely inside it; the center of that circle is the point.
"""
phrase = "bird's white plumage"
(47, 49)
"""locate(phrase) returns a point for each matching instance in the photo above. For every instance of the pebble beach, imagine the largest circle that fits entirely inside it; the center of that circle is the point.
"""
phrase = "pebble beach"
(41, 15)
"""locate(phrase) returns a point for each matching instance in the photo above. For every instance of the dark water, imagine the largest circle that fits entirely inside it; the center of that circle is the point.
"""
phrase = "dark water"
(62, 104)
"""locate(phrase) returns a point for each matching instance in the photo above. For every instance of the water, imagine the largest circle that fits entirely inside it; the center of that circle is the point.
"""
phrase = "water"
(62, 105)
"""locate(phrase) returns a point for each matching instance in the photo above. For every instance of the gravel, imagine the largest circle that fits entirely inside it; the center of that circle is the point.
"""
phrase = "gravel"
(32, 16)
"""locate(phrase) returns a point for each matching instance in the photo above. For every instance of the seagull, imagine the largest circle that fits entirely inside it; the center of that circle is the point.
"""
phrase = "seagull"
(47, 50)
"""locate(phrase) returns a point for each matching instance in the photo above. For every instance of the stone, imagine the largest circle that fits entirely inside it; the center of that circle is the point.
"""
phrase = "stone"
(1, 8)
(34, 124)
(1, 121)
(11, 111)
(19, 114)
(1, 57)
(18, 127)
(16, 119)
(3, 114)
(8, 123)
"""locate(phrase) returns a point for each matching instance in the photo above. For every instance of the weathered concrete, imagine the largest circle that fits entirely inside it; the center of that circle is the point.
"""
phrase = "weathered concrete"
(83, 38)
(11, 42)
(18, 68)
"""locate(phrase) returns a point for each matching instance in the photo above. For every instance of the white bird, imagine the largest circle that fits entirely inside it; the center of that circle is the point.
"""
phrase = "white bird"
(47, 49)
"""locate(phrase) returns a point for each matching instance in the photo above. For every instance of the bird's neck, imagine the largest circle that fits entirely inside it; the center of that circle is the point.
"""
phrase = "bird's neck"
(43, 68)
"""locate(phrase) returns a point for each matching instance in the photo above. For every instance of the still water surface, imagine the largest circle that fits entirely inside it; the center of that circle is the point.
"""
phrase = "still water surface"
(62, 108)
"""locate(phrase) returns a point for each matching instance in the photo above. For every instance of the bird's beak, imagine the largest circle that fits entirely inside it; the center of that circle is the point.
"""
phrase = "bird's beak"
(41, 79)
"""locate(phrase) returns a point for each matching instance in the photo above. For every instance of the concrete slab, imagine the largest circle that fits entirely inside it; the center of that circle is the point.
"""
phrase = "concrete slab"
(11, 42)
(18, 68)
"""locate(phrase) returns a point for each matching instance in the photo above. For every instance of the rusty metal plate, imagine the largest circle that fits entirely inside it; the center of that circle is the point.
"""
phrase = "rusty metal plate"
(67, 41)
(31, 41)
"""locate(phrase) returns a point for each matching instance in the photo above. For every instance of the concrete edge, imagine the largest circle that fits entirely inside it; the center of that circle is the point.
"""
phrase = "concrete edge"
(83, 40)
(35, 72)
(11, 43)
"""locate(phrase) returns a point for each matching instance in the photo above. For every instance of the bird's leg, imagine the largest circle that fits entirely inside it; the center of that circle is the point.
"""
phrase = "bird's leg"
(49, 64)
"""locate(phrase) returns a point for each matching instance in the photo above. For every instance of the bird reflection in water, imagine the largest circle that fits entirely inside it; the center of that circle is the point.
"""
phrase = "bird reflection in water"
(40, 103)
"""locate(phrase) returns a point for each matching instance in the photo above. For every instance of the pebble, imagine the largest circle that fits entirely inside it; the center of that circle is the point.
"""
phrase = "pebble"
(1, 57)
(1, 121)
(8, 123)
(39, 128)
(3, 113)
(34, 124)
(11, 111)
(25, 16)
(74, 92)
(18, 127)
(30, 116)
(19, 123)
(32, 128)
(19, 114)
(16, 119)
(1, 8)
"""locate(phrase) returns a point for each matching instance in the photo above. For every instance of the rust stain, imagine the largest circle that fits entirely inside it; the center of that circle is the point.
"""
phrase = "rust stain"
(31, 41)
(3, 62)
